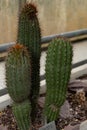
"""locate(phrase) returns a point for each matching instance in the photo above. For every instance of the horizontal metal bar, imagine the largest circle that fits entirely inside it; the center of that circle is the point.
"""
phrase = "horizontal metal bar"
(6, 46)
(47, 39)
(79, 63)
(42, 77)
(3, 91)
(72, 41)
(71, 34)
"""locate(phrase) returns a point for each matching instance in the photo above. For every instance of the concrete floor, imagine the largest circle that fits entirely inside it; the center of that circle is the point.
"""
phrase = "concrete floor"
(2, 75)
(80, 51)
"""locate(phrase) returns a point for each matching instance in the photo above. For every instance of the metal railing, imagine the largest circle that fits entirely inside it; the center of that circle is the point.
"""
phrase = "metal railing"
(47, 39)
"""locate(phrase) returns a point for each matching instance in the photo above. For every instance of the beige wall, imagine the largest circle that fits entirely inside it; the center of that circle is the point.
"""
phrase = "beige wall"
(55, 16)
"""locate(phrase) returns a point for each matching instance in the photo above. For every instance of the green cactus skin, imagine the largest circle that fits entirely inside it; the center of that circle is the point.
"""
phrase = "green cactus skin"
(58, 69)
(18, 73)
(21, 112)
(29, 34)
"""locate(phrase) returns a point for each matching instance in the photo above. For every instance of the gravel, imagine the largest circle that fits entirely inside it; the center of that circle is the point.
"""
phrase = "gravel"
(78, 111)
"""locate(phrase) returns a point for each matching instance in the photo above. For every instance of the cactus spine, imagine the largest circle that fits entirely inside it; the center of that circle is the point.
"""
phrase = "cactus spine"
(18, 79)
(29, 34)
(58, 69)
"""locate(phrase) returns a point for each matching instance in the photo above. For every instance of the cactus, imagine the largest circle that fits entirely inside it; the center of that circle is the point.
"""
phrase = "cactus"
(18, 69)
(29, 34)
(21, 113)
(58, 69)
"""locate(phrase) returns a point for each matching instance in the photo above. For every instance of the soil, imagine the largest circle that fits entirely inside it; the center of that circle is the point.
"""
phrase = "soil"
(78, 112)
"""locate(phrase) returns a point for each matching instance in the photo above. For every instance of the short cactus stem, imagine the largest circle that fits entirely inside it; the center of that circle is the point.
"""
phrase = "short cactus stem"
(21, 113)
(58, 69)
(18, 73)
(18, 80)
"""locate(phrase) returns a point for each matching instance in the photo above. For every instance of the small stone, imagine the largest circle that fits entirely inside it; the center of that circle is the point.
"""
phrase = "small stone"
(41, 101)
(76, 120)
(69, 127)
(76, 127)
(77, 85)
(65, 110)
(79, 106)
(71, 109)
(76, 113)
(83, 125)
(3, 127)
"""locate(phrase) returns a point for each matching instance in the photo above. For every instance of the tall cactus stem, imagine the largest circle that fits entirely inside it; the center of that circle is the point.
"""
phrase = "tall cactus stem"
(29, 34)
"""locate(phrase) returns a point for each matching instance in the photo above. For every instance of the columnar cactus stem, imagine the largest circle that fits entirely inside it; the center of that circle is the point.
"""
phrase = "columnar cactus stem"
(29, 34)
(18, 80)
(18, 73)
(21, 112)
(58, 69)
